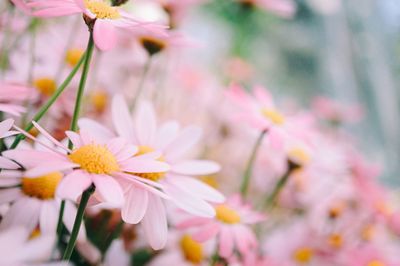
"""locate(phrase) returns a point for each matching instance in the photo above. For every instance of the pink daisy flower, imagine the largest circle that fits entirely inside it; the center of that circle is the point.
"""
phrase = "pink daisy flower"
(230, 225)
(172, 144)
(99, 14)
(12, 97)
(259, 111)
(90, 162)
(168, 145)
(34, 201)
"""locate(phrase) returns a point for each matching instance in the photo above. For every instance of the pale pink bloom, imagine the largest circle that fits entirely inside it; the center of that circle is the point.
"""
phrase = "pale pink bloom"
(231, 226)
(105, 17)
(336, 111)
(33, 200)
(172, 143)
(168, 144)
(90, 162)
(17, 249)
(259, 111)
(369, 255)
(13, 97)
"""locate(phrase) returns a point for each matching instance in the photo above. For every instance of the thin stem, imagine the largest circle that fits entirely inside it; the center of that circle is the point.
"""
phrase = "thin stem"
(7, 34)
(271, 199)
(78, 221)
(81, 88)
(60, 218)
(249, 168)
(139, 90)
(43, 110)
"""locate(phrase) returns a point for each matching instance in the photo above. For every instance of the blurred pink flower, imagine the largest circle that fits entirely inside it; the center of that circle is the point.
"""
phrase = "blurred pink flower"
(230, 225)
(105, 18)
(13, 97)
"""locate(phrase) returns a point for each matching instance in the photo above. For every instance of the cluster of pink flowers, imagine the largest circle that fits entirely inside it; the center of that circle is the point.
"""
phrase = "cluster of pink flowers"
(111, 155)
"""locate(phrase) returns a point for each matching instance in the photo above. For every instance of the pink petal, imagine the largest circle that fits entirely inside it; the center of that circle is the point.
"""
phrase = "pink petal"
(122, 118)
(135, 206)
(69, 219)
(192, 222)
(207, 232)
(10, 195)
(24, 212)
(135, 165)
(8, 164)
(109, 189)
(104, 35)
(48, 217)
(196, 167)
(6, 125)
(98, 130)
(49, 167)
(72, 185)
(187, 138)
(189, 202)
(225, 242)
(145, 123)
(166, 133)
(197, 188)
(155, 223)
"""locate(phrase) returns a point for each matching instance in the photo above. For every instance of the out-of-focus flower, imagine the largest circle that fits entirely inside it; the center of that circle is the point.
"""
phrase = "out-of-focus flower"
(33, 251)
(335, 111)
(103, 18)
(230, 225)
(13, 97)
(283, 8)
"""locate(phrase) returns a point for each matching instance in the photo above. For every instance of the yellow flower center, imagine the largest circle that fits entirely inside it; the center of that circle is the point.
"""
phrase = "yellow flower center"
(227, 215)
(102, 10)
(45, 86)
(152, 176)
(335, 240)
(303, 255)
(192, 250)
(95, 159)
(376, 263)
(99, 100)
(73, 55)
(276, 117)
(42, 187)
(299, 155)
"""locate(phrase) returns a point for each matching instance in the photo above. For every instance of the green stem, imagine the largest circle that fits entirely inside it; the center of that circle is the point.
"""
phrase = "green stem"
(78, 221)
(249, 168)
(81, 88)
(60, 218)
(43, 110)
(78, 103)
(271, 199)
(139, 90)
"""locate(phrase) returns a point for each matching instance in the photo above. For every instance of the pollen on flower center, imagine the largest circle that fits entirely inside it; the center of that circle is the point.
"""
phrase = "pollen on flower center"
(303, 255)
(102, 10)
(299, 155)
(192, 250)
(152, 176)
(42, 187)
(46, 86)
(95, 159)
(273, 115)
(73, 55)
(227, 215)
(376, 263)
